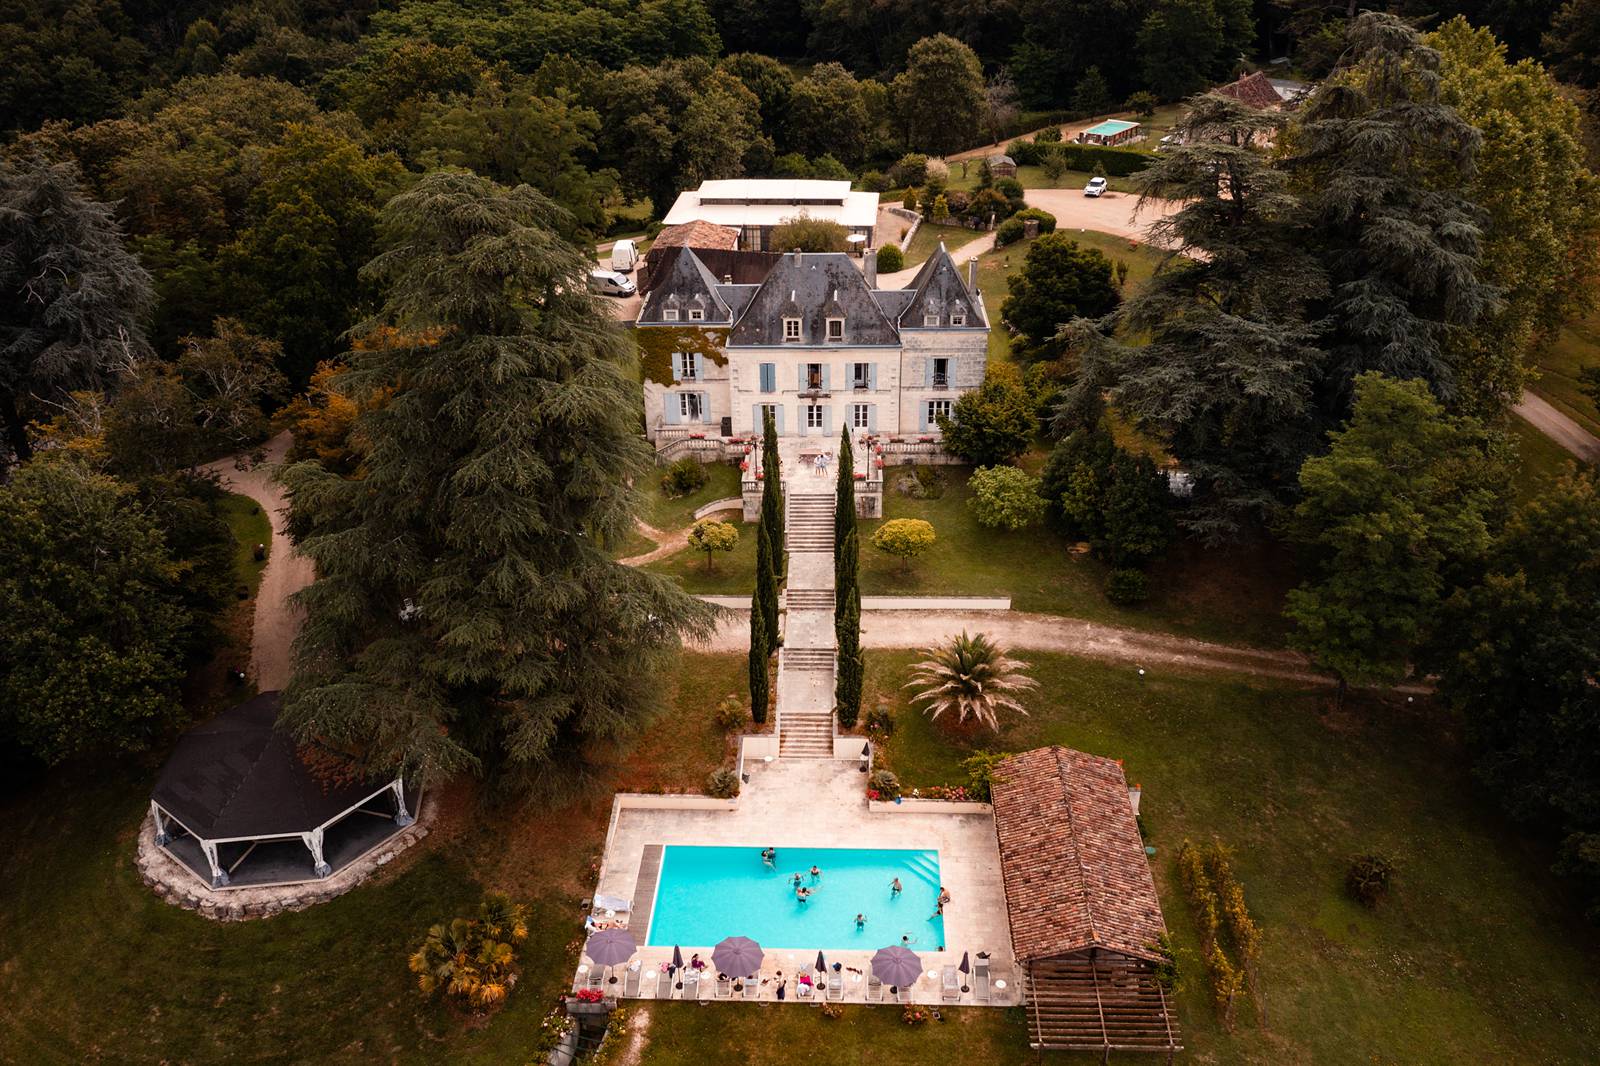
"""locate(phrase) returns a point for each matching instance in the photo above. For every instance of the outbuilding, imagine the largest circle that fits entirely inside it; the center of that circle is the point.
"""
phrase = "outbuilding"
(1085, 922)
(1111, 133)
(238, 805)
(1002, 166)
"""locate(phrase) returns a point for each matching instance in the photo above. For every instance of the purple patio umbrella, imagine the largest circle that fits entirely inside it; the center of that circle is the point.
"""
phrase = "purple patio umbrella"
(738, 955)
(677, 958)
(821, 962)
(897, 966)
(966, 966)
(610, 947)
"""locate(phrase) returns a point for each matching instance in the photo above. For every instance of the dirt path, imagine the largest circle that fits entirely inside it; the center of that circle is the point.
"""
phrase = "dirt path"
(971, 250)
(1113, 212)
(666, 544)
(287, 572)
(1072, 636)
(1547, 419)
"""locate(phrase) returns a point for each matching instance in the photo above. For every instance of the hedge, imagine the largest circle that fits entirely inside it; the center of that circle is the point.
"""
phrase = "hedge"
(1117, 162)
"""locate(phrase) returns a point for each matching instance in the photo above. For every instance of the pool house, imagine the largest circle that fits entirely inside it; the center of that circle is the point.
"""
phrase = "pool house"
(1112, 133)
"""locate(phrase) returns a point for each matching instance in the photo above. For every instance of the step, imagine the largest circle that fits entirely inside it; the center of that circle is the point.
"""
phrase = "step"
(807, 659)
(814, 599)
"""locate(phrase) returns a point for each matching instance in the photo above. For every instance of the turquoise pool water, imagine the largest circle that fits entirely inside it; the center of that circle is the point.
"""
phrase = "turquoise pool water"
(706, 894)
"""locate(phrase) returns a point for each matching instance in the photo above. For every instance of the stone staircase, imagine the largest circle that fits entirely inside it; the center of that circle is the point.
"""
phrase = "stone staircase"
(806, 663)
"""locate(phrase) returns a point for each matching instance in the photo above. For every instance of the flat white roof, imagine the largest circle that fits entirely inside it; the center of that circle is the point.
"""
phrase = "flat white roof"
(849, 209)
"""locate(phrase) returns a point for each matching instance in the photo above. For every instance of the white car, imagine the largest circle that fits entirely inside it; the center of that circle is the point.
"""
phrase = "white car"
(610, 283)
(1096, 187)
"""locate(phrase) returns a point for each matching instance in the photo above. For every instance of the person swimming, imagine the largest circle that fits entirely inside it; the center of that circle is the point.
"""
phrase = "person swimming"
(816, 874)
(861, 922)
(796, 880)
(769, 856)
(802, 894)
(895, 887)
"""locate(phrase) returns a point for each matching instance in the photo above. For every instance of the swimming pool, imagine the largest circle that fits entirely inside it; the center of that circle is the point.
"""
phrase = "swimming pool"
(705, 894)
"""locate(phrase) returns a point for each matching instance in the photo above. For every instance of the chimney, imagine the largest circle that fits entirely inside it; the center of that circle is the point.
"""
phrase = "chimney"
(869, 267)
(727, 279)
(972, 275)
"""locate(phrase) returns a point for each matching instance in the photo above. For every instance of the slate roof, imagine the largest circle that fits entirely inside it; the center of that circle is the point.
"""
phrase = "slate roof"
(238, 776)
(1071, 858)
(698, 234)
(939, 290)
(802, 284)
(1256, 90)
(680, 280)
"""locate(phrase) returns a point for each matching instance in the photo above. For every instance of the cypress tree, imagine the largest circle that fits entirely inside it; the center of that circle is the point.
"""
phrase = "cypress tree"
(760, 653)
(844, 510)
(466, 613)
(847, 630)
(765, 600)
(772, 494)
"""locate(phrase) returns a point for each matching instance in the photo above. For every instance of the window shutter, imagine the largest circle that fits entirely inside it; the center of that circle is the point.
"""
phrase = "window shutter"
(872, 376)
(923, 409)
(779, 419)
(827, 376)
(695, 367)
(769, 377)
(758, 424)
(670, 403)
(927, 381)
(705, 407)
(827, 417)
(800, 377)
(677, 366)
(872, 418)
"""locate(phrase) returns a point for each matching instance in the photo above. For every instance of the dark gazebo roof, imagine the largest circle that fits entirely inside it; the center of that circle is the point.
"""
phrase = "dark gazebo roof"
(238, 776)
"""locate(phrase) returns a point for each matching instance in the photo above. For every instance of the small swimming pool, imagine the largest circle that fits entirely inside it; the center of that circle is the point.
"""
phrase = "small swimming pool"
(705, 894)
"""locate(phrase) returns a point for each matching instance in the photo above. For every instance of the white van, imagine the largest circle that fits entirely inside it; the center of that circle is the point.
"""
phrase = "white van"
(624, 256)
(610, 283)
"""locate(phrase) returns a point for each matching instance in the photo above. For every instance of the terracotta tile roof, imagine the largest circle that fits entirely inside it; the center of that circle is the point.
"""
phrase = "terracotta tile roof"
(1253, 89)
(697, 234)
(1071, 858)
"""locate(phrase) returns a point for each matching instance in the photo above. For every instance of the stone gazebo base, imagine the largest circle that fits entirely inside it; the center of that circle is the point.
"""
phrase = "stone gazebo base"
(178, 885)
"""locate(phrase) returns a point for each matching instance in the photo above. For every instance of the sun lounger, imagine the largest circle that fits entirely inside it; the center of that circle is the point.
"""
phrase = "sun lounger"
(630, 982)
(691, 984)
(805, 990)
(950, 988)
(752, 987)
(724, 987)
(981, 992)
(904, 995)
(874, 989)
(835, 986)
(595, 977)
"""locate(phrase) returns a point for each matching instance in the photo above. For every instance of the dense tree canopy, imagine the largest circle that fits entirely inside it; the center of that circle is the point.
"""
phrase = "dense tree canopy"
(1059, 281)
(466, 611)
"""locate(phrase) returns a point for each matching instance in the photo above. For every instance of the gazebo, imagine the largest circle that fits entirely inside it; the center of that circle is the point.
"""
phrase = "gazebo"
(1082, 907)
(237, 805)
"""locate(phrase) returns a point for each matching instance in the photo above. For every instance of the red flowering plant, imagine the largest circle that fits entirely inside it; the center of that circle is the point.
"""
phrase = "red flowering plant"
(590, 995)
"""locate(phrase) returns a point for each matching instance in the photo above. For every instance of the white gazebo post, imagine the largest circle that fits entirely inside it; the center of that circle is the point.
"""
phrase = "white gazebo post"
(402, 817)
(218, 877)
(313, 841)
(163, 838)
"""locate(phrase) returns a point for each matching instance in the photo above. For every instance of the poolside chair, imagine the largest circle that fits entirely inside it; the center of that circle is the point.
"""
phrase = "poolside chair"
(805, 990)
(835, 986)
(950, 988)
(981, 992)
(904, 995)
(752, 986)
(596, 977)
(874, 989)
(630, 981)
(691, 984)
(724, 986)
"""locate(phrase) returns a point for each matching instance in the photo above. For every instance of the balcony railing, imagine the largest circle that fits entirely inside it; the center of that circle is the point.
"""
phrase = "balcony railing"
(941, 381)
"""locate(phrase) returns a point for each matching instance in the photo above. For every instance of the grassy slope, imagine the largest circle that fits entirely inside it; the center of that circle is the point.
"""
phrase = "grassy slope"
(928, 236)
(94, 968)
(1577, 347)
(667, 513)
(1477, 958)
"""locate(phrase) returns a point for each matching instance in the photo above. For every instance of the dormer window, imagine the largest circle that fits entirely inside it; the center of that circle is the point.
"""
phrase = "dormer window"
(696, 315)
(791, 329)
(669, 314)
(836, 329)
(958, 320)
(930, 320)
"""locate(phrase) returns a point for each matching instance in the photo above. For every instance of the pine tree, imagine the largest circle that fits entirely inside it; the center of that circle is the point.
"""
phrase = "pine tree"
(71, 295)
(466, 614)
(765, 599)
(760, 654)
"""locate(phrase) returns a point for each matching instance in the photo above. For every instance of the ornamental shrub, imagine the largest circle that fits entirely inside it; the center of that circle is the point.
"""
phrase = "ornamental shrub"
(1369, 878)
(1011, 189)
(1024, 151)
(890, 259)
(910, 170)
(1050, 135)
(885, 784)
(683, 477)
(1008, 232)
(1004, 497)
(1047, 221)
(874, 181)
(980, 773)
(711, 536)
(904, 538)
(880, 720)
(1127, 587)
(722, 784)
(730, 713)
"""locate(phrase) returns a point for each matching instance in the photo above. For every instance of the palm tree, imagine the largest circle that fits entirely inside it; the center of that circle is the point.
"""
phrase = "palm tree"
(973, 676)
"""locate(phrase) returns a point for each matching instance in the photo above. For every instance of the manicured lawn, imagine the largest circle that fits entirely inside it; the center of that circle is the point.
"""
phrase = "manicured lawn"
(928, 236)
(1034, 177)
(250, 526)
(1231, 595)
(1578, 346)
(669, 513)
(1478, 957)
(731, 573)
(1543, 460)
(95, 968)
(680, 1036)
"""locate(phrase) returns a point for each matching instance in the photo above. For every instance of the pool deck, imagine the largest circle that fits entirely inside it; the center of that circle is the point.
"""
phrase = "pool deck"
(818, 803)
